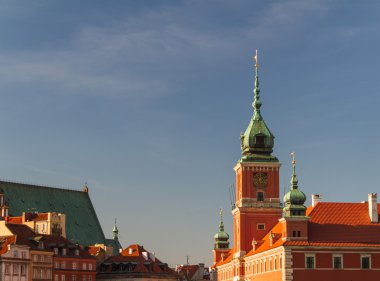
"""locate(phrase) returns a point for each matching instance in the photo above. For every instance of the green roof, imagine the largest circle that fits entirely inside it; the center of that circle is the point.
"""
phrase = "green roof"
(82, 224)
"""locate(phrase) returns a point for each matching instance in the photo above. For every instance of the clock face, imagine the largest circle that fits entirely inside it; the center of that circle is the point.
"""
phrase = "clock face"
(260, 179)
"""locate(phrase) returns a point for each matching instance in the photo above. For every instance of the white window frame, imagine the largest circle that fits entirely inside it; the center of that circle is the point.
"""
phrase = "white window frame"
(341, 259)
(365, 256)
(314, 260)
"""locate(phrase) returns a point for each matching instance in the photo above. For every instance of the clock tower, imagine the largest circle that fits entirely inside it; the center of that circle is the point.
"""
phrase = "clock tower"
(257, 208)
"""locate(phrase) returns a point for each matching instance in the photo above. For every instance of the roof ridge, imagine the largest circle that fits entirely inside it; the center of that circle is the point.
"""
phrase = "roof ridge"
(39, 185)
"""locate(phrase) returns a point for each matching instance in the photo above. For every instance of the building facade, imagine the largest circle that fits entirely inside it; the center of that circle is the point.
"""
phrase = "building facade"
(14, 261)
(288, 241)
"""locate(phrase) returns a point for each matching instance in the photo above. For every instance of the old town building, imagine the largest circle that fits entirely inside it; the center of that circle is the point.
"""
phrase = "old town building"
(14, 260)
(52, 257)
(135, 263)
(274, 241)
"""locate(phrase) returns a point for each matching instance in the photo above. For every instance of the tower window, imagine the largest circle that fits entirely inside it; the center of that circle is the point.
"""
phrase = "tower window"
(261, 226)
(296, 233)
(260, 196)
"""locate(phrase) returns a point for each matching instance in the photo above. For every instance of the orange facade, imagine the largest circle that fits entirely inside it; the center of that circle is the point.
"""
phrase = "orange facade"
(257, 205)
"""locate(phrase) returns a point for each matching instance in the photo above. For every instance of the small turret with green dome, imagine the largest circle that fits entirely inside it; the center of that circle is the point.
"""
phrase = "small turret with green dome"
(257, 141)
(221, 238)
(294, 199)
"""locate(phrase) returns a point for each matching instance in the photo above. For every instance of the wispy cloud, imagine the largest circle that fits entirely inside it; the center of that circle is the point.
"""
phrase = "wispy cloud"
(126, 59)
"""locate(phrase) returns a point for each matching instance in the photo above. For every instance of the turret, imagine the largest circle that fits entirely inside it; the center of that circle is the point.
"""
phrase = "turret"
(295, 221)
(221, 238)
(294, 199)
(221, 244)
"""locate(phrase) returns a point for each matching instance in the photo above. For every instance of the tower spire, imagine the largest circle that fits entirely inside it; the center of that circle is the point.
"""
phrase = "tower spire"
(293, 180)
(257, 141)
(221, 224)
(256, 101)
(115, 231)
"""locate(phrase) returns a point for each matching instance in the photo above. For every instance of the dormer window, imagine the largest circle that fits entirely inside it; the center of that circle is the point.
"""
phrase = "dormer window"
(77, 252)
(55, 251)
(40, 244)
(64, 251)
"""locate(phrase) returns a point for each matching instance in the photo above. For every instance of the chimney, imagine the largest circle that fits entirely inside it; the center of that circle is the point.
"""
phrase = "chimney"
(372, 207)
(315, 199)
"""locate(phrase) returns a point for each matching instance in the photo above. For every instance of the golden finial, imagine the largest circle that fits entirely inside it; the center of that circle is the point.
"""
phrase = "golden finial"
(293, 156)
(221, 213)
(256, 59)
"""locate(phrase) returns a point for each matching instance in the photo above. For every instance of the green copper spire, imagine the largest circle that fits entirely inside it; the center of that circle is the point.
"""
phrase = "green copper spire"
(257, 141)
(256, 101)
(221, 238)
(115, 231)
(294, 199)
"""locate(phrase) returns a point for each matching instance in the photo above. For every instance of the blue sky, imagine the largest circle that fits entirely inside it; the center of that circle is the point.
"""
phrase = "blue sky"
(145, 100)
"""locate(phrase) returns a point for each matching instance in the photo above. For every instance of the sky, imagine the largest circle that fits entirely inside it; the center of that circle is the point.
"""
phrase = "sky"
(145, 101)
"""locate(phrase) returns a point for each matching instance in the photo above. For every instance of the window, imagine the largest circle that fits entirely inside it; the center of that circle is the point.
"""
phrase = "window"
(74, 265)
(7, 269)
(48, 259)
(63, 277)
(84, 278)
(296, 233)
(40, 244)
(63, 264)
(23, 255)
(260, 196)
(23, 269)
(337, 262)
(77, 252)
(56, 277)
(48, 274)
(15, 254)
(55, 251)
(41, 258)
(73, 277)
(15, 269)
(35, 258)
(261, 226)
(35, 273)
(84, 266)
(56, 264)
(64, 251)
(90, 278)
(310, 261)
(366, 261)
(90, 266)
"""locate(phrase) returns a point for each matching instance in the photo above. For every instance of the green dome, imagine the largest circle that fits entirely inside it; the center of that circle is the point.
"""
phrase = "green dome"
(221, 235)
(295, 197)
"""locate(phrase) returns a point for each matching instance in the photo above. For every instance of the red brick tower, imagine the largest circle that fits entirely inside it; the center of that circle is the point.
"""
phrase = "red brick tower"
(257, 206)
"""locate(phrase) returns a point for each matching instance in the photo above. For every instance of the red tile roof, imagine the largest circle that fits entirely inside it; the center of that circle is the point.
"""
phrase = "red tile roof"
(330, 225)
(343, 222)
(25, 236)
(135, 259)
(187, 270)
